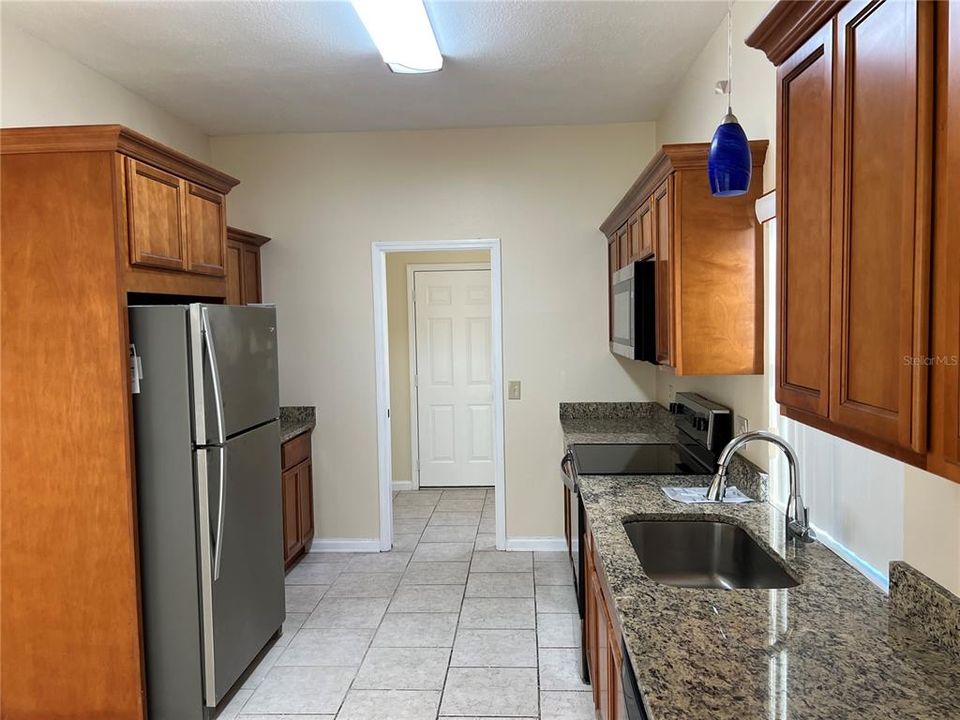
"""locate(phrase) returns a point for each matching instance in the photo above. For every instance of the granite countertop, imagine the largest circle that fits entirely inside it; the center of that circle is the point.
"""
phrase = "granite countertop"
(296, 420)
(832, 647)
(592, 423)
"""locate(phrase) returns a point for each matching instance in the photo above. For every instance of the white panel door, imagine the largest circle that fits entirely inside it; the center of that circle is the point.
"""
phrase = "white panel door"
(453, 377)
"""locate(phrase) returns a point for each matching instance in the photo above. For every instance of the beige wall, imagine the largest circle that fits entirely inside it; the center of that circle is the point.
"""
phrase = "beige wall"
(543, 191)
(931, 526)
(877, 507)
(692, 116)
(40, 85)
(399, 345)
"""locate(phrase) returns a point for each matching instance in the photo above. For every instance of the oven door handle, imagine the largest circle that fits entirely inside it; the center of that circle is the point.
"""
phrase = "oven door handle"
(566, 469)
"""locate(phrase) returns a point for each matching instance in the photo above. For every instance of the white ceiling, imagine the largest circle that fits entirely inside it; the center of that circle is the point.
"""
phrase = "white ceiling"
(240, 67)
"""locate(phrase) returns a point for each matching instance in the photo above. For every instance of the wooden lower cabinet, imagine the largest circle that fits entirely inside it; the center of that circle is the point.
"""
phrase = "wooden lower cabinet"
(291, 513)
(305, 497)
(604, 648)
(243, 266)
(296, 480)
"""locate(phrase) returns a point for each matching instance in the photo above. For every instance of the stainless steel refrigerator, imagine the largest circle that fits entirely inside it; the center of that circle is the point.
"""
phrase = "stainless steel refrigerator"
(206, 407)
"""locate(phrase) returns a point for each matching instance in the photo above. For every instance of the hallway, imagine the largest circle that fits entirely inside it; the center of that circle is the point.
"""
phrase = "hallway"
(442, 626)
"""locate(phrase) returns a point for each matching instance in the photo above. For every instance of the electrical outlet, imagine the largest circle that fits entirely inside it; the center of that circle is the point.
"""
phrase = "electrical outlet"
(742, 425)
(513, 390)
(671, 393)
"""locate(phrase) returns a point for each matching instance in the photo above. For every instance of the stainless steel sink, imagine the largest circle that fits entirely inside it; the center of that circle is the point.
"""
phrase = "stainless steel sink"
(704, 554)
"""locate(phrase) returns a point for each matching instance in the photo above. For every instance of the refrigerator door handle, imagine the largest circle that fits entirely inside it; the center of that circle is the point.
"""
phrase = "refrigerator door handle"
(206, 577)
(214, 374)
(221, 513)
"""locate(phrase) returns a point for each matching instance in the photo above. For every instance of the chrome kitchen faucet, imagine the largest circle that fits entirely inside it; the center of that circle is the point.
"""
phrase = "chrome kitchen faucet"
(797, 526)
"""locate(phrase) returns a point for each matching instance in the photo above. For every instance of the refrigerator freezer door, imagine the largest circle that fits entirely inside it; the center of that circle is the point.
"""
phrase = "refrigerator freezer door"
(241, 343)
(244, 604)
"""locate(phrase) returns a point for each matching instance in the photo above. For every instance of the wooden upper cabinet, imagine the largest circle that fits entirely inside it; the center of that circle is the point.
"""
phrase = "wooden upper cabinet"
(169, 207)
(945, 371)
(205, 222)
(881, 219)
(234, 282)
(645, 217)
(613, 260)
(243, 266)
(154, 217)
(709, 261)
(250, 267)
(865, 183)
(623, 246)
(804, 167)
(633, 236)
(640, 232)
(662, 204)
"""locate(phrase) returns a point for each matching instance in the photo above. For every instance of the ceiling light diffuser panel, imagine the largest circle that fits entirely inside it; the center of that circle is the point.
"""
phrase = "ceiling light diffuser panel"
(402, 33)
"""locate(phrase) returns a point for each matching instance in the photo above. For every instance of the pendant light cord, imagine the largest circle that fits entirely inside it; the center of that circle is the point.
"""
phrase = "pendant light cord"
(730, 57)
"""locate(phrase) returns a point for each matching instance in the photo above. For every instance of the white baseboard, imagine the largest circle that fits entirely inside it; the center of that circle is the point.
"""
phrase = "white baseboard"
(345, 545)
(402, 485)
(537, 543)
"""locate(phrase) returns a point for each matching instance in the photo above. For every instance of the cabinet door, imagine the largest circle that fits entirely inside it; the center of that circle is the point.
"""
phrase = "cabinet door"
(206, 228)
(615, 709)
(251, 274)
(623, 245)
(590, 620)
(663, 235)
(602, 678)
(291, 513)
(881, 234)
(633, 236)
(305, 500)
(154, 217)
(945, 388)
(805, 112)
(645, 214)
(234, 273)
(613, 260)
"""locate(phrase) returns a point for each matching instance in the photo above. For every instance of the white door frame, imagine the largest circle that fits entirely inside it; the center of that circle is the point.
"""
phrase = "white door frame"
(379, 252)
(412, 353)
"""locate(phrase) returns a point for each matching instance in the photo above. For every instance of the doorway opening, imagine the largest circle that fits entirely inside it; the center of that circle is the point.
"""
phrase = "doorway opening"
(438, 325)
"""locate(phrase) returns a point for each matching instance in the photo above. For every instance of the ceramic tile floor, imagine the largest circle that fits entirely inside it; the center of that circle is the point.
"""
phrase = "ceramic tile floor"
(443, 626)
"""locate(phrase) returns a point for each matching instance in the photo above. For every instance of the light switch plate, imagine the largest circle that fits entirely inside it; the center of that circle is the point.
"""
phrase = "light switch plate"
(742, 425)
(513, 390)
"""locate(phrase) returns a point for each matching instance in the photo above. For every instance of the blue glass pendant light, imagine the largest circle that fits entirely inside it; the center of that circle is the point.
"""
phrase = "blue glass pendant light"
(729, 162)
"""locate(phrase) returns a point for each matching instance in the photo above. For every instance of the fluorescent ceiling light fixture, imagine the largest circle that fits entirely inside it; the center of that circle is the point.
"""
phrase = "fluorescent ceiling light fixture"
(401, 31)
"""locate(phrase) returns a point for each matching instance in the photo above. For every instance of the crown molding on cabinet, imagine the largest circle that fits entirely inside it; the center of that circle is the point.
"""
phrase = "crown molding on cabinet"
(680, 156)
(113, 138)
(789, 24)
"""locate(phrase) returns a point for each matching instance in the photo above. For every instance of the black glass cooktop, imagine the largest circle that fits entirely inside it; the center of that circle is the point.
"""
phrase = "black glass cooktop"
(636, 459)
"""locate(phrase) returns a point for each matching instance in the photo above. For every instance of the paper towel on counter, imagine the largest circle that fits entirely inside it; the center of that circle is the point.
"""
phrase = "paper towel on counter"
(690, 495)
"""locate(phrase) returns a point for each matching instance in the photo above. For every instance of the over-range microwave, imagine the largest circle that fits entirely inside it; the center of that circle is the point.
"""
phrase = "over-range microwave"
(633, 310)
